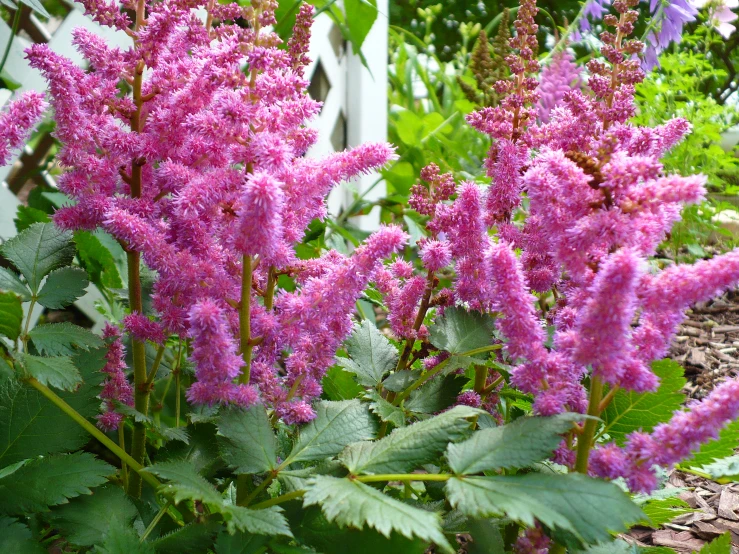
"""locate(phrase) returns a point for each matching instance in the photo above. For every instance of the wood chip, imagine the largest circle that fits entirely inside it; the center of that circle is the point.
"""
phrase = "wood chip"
(697, 357)
(682, 541)
(725, 329)
(728, 504)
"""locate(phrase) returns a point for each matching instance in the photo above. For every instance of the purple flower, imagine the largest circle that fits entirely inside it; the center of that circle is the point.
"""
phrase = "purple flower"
(17, 121)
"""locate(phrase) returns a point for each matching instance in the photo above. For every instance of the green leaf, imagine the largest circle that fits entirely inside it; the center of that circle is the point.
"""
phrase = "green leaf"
(401, 380)
(612, 547)
(722, 447)
(30, 425)
(725, 468)
(720, 545)
(63, 287)
(86, 520)
(587, 508)
(336, 425)
(122, 539)
(354, 504)
(184, 483)
(408, 447)
(26, 216)
(460, 331)
(436, 395)
(340, 385)
(247, 443)
(360, 16)
(11, 315)
(98, 260)
(371, 355)
(57, 372)
(16, 538)
(61, 339)
(201, 452)
(663, 510)
(36, 6)
(486, 537)
(45, 482)
(38, 250)
(521, 443)
(9, 282)
(384, 409)
(268, 521)
(194, 538)
(240, 543)
(629, 411)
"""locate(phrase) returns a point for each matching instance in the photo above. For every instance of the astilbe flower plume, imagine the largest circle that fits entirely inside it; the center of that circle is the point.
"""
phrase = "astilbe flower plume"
(116, 387)
(201, 171)
(17, 120)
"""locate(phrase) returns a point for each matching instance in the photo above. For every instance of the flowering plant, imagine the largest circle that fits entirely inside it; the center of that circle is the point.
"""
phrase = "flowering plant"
(188, 150)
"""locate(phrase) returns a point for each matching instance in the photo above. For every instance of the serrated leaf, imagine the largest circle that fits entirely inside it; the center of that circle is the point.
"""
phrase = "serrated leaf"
(371, 355)
(663, 510)
(63, 287)
(354, 504)
(340, 385)
(436, 395)
(38, 250)
(98, 260)
(49, 481)
(122, 539)
(612, 547)
(384, 409)
(26, 216)
(172, 433)
(629, 411)
(86, 519)
(58, 371)
(240, 543)
(360, 16)
(247, 442)
(722, 447)
(194, 538)
(185, 483)
(61, 339)
(720, 545)
(16, 538)
(9, 282)
(11, 315)
(460, 331)
(521, 443)
(201, 452)
(587, 508)
(726, 467)
(409, 447)
(269, 521)
(36, 6)
(336, 425)
(30, 425)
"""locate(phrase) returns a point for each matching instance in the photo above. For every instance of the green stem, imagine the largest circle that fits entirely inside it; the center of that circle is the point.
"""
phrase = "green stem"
(157, 518)
(481, 377)
(177, 399)
(263, 485)
(142, 387)
(95, 432)
(122, 445)
(27, 326)
(13, 32)
(585, 440)
(245, 318)
(156, 364)
(269, 293)
(278, 500)
(491, 387)
(403, 477)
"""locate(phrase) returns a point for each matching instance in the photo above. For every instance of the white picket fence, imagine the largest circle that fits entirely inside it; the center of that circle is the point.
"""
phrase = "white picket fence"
(354, 110)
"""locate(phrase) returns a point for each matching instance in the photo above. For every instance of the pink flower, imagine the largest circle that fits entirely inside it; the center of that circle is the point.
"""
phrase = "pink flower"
(17, 121)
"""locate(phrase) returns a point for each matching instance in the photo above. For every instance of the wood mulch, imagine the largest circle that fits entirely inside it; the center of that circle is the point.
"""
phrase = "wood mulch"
(707, 346)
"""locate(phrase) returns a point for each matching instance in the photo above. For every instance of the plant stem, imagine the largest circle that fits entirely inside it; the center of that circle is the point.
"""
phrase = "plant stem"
(403, 477)
(263, 485)
(13, 32)
(269, 293)
(245, 318)
(481, 377)
(156, 364)
(95, 432)
(585, 440)
(422, 309)
(278, 500)
(122, 444)
(154, 521)
(24, 337)
(177, 398)
(141, 386)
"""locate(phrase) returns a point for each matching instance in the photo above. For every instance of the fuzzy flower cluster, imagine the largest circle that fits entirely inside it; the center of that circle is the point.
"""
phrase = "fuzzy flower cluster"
(17, 120)
(116, 387)
(201, 171)
(599, 204)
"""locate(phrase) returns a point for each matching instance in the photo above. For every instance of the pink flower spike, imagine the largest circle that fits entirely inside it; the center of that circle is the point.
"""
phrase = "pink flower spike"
(17, 120)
